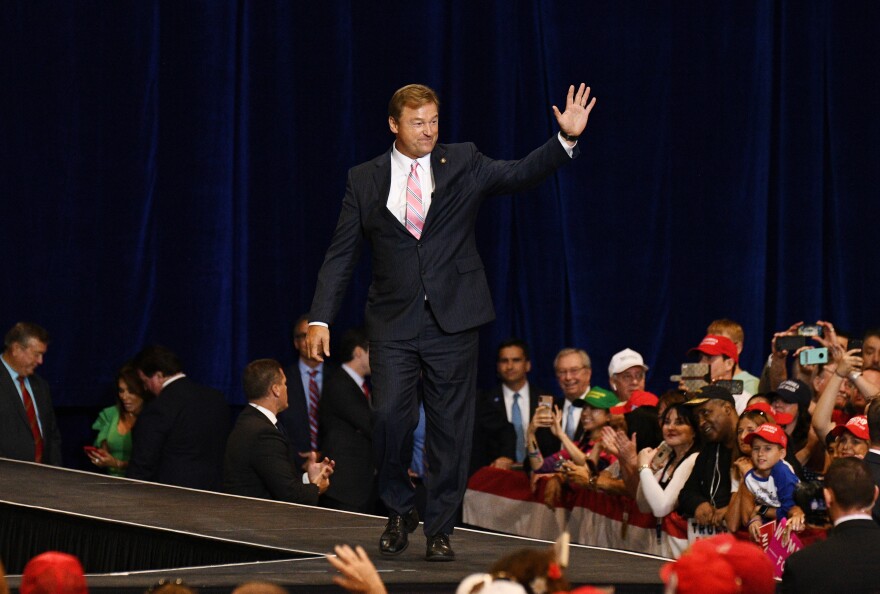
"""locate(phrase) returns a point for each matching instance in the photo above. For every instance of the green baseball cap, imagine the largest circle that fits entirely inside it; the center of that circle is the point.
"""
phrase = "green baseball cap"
(597, 398)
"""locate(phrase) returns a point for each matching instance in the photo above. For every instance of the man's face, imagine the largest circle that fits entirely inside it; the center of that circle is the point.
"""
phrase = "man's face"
(282, 393)
(871, 353)
(573, 375)
(299, 342)
(513, 367)
(715, 421)
(416, 130)
(628, 381)
(152, 383)
(765, 454)
(24, 359)
(719, 367)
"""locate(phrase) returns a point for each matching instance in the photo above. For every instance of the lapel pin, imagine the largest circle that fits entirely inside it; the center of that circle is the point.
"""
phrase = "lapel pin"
(443, 160)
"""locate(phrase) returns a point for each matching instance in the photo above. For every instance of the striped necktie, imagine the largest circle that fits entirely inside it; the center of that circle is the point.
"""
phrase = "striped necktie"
(32, 420)
(314, 395)
(415, 211)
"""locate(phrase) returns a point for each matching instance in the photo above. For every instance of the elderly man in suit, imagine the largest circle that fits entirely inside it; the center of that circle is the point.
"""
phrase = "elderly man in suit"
(257, 461)
(180, 436)
(28, 430)
(347, 428)
(417, 205)
(846, 560)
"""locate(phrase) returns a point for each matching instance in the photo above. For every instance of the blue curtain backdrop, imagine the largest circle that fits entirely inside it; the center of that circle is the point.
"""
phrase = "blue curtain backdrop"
(172, 171)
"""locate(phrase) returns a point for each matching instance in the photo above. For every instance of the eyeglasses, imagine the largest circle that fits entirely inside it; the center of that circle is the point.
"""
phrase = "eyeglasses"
(634, 376)
(570, 371)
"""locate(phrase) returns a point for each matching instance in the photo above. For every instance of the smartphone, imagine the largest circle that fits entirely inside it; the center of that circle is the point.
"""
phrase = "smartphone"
(661, 456)
(810, 330)
(854, 343)
(694, 371)
(790, 343)
(693, 376)
(545, 400)
(89, 450)
(733, 386)
(814, 356)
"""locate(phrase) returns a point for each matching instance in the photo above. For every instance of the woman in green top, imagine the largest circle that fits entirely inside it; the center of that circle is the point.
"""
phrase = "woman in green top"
(114, 424)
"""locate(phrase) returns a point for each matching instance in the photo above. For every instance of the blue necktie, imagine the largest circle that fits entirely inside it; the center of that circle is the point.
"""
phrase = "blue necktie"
(517, 420)
(569, 423)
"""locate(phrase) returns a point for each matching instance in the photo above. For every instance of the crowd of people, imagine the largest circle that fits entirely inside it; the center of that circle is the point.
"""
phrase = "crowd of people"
(727, 450)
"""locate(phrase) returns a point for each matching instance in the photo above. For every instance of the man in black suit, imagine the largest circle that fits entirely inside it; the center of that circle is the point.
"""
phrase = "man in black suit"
(417, 205)
(496, 439)
(257, 461)
(347, 428)
(28, 430)
(180, 436)
(846, 561)
(872, 458)
(302, 428)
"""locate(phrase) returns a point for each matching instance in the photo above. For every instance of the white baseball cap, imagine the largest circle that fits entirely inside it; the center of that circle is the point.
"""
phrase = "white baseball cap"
(624, 360)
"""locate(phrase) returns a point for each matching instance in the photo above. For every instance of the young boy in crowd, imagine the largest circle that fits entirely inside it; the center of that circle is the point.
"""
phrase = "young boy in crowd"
(771, 480)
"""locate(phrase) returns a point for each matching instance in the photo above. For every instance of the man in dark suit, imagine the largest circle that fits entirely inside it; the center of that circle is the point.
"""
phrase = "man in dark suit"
(257, 461)
(347, 428)
(180, 436)
(496, 439)
(872, 458)
(28, 430)
(846, 560)
(417, 205)
(305, 376)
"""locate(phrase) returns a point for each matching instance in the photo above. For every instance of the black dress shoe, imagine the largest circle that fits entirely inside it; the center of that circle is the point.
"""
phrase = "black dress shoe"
(394, 539)
(439, 548)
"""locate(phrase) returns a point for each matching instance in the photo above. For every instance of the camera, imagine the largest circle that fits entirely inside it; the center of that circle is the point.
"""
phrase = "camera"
(809, 497)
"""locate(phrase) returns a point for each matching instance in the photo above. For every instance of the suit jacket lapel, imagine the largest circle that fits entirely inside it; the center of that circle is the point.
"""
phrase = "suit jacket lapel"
(440, 172)
(9, 386)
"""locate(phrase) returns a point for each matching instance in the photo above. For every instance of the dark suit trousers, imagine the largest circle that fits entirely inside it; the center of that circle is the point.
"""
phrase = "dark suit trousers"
(447, 364)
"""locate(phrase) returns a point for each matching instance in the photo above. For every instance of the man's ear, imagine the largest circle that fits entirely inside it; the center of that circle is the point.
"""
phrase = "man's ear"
(876, 491)
(829, 496)
(392, 124)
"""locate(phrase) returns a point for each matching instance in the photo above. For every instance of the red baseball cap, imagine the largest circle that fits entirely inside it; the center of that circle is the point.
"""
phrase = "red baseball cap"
(721, 564)
(715, 344)
(768, 432)
(636, 399)
(780, 418)
(53, 572)
(858, 426)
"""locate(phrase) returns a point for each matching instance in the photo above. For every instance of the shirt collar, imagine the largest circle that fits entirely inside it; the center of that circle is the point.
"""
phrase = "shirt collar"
(354, 375)
(171, 379)
(269, 414)
(405, 162)
(850, 517)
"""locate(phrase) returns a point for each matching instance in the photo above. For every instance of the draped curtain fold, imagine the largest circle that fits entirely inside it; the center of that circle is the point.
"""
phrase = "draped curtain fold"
(172, 171)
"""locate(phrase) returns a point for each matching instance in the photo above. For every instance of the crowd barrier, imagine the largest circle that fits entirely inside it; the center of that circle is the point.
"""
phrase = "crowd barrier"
(502, 500)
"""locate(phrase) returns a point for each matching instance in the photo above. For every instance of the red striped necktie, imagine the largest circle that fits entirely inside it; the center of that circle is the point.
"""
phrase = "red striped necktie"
(32, 420)
(314, 395)
(415, 210)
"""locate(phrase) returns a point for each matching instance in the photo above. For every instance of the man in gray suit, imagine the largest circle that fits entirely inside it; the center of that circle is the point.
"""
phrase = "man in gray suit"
(417, 205)
(27, 420)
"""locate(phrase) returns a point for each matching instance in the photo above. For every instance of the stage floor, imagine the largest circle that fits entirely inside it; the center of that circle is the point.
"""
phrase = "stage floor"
(264, 529)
